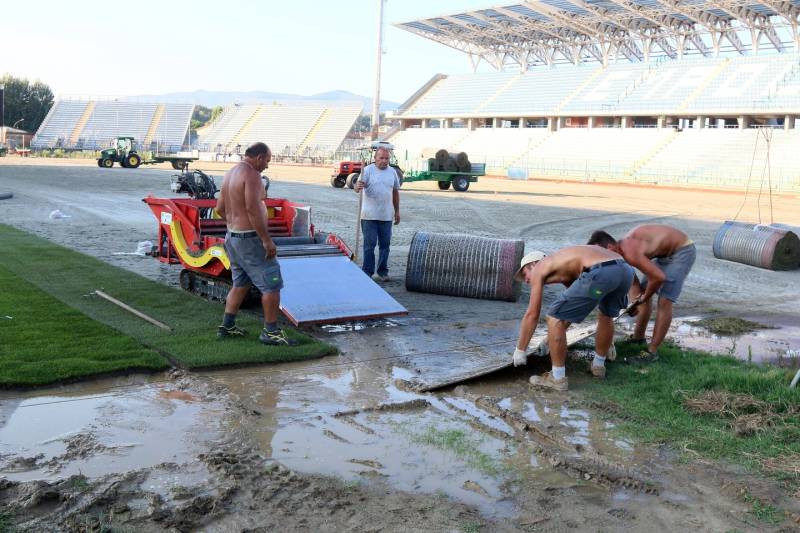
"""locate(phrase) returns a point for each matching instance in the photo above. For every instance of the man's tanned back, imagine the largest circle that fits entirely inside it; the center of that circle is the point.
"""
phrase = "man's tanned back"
(235, 192)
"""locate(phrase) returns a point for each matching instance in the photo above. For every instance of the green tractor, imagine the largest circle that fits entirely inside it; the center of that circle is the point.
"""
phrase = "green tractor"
(123, 152)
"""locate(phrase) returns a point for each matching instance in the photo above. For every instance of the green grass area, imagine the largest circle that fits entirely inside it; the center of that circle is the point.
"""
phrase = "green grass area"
(69, 277)
(46, 340)
(716, 407)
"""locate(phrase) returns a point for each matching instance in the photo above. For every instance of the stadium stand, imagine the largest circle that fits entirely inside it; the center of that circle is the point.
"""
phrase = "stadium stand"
(595, 97)
(313, 129)
(93, 123)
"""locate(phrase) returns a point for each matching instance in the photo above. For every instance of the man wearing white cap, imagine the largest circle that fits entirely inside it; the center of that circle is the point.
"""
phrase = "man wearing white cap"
(594, 277)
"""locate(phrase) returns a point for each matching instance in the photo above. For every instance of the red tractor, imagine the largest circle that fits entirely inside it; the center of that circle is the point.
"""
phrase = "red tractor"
(347, 172)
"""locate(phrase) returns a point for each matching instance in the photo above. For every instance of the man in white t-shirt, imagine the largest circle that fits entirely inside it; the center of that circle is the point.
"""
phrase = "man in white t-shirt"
(380, 205)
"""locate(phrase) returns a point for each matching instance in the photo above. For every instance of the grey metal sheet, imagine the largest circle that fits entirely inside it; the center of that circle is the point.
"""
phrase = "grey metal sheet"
(447, 368)
(331, 289)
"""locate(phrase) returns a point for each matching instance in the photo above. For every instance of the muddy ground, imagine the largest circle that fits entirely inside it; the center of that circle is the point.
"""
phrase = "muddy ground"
(301, 447)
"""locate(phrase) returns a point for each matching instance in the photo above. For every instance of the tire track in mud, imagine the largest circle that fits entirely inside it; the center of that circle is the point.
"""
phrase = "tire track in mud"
(558, 453)
(611, 220)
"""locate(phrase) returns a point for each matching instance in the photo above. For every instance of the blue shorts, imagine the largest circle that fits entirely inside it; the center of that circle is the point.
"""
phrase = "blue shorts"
(675, 267)
(604, 285)
(249, 263)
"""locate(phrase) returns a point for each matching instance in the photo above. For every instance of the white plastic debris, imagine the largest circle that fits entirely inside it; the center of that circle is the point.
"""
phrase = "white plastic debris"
(56, 214)
(144, 247)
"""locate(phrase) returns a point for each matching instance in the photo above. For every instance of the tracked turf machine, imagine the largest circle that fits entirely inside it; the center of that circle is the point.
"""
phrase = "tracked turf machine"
(191, 234)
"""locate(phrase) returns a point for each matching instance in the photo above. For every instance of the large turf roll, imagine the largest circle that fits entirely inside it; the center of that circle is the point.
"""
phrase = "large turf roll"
(433, 166)
(462, 160)
(757, 245)
(450, 165)
(442, 156)
(463, 265)
(787, 227)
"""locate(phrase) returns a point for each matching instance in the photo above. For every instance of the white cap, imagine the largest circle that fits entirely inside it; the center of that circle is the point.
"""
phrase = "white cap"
(530, 257)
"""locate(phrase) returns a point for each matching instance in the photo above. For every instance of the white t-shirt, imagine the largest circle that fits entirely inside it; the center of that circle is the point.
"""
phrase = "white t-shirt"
(378, 187)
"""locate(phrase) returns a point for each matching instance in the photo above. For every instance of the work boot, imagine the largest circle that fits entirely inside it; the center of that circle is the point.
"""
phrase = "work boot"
(275, 338)
(599, 371)
(546, 381)
(233, 331)
(636, 342)
(644, 357)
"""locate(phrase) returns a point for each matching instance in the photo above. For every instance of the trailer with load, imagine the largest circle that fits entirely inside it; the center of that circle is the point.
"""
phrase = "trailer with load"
(460, 180)
(191, 234)
(124, 153)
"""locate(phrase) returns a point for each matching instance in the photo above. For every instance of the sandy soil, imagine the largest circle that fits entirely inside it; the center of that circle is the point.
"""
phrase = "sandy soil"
(263, 449)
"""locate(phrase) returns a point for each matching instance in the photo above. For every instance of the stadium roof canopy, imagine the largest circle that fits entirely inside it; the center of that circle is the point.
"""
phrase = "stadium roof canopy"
(533, 33)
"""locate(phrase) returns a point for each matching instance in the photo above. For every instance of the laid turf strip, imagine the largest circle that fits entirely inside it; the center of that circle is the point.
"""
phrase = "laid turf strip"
(45, 340)
(70, 277)
(673, 400)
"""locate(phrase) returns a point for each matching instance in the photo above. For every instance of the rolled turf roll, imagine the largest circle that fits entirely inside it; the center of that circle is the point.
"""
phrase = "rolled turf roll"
(787, 227)
(462, 160)
(441, 157)
(757, 245)
(464, 265)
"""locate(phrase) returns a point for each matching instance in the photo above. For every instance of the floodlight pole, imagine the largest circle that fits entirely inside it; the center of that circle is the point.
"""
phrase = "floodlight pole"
(376, 100)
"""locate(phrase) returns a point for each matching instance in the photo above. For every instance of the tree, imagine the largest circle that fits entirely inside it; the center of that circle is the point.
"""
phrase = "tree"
(203, 115)
(26, 102)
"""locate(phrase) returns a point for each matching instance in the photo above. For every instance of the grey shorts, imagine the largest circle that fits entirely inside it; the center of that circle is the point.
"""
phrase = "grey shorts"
(249, 263)
(675, 267)
(603, 285)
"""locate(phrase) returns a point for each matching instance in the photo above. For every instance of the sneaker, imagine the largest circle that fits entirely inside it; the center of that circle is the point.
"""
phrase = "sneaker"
(275, 338)
(233, 331)
(378, 277)
(598, 371)
(546, 381)
(643, 358)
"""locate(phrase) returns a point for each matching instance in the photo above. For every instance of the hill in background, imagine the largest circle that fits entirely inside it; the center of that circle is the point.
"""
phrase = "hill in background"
(215, 98)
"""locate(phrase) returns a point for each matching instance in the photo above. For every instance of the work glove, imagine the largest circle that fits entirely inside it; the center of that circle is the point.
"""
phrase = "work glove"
(520, 357)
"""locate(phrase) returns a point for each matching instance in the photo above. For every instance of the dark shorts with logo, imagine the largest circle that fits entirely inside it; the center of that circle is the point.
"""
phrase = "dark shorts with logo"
(249, 263)
(604, 285)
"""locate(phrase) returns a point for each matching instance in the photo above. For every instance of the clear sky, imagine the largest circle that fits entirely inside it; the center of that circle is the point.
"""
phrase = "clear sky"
(94, 47)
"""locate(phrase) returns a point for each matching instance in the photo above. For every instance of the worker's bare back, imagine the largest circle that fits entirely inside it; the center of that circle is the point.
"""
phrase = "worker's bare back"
(241, 188)
(567, 264)
(655, 240)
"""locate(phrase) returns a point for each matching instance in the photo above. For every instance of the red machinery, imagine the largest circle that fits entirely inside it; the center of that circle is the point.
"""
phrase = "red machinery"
(190, 234)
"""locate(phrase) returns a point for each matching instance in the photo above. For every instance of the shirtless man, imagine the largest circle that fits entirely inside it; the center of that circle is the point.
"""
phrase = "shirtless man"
(665, 256)
(594, 277)
(250, 248)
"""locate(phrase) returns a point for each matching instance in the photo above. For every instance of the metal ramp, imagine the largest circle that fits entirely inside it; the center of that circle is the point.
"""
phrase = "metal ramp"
(331, 288)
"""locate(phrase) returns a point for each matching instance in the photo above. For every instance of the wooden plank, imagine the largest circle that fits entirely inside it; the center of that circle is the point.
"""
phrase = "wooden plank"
(451, 368)
(132, 310)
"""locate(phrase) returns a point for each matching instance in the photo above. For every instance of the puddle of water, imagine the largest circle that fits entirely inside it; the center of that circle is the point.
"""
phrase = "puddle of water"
(360, 325)
(132, 428)
(780, 345)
